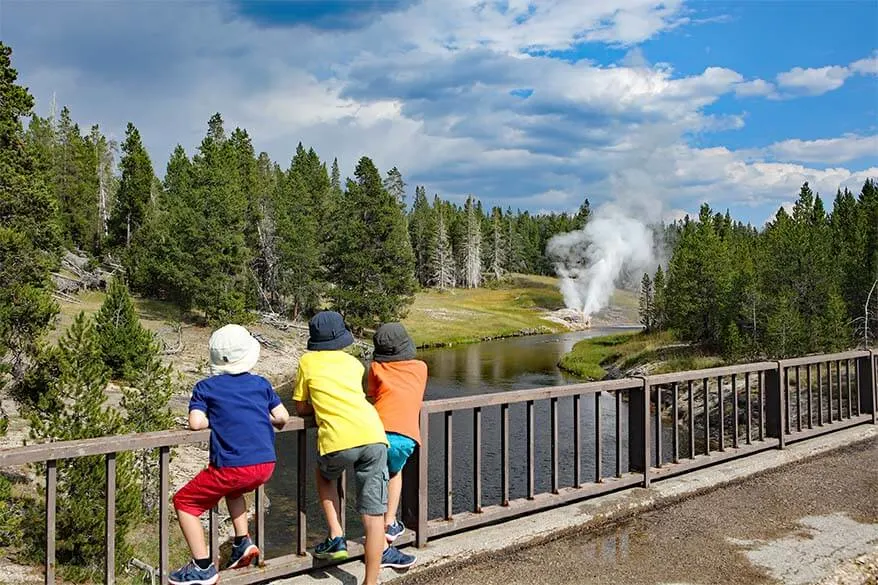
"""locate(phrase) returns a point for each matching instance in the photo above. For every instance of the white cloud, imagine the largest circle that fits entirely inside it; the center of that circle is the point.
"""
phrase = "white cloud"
(867, 66)
(826, 150)
(756, 87)
(813, 81)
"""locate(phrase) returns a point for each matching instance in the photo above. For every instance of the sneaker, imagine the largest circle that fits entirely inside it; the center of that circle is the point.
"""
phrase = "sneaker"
(335, 549)
(243, 554)
(191, 574)
(396, 559)
(393, 531)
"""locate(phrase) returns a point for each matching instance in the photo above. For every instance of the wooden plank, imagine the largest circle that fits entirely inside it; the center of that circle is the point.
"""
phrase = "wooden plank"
(213, 535)
(301, 492)
(110, 521)
(51, 501)
(164, 459)
(477, 460)
(504, 453)
(260, 522)
(423, 480)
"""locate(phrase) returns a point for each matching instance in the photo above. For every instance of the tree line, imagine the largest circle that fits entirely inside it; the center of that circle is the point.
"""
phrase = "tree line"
(800, 285)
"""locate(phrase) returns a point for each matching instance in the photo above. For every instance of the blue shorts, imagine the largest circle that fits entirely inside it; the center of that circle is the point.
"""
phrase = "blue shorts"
(400, 449)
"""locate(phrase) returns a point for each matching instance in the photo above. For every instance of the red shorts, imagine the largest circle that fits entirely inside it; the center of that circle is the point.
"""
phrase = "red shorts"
(215, 483)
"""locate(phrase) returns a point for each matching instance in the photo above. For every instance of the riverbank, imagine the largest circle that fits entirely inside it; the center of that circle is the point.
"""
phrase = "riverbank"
(634, 353)
(517, 306)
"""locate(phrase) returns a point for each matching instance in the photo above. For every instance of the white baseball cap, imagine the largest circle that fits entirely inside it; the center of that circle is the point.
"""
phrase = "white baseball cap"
(232, 350)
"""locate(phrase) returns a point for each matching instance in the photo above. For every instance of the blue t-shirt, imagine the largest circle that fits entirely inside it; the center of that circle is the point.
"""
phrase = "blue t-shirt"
(237, 408)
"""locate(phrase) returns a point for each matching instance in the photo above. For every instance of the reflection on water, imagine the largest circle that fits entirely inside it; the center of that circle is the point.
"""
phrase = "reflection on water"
(492, 366)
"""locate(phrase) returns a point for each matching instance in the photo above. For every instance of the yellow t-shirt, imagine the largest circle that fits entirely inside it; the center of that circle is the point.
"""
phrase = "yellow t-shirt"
(332, 381)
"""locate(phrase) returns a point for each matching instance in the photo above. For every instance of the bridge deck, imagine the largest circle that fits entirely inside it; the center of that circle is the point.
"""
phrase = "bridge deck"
(798, 524)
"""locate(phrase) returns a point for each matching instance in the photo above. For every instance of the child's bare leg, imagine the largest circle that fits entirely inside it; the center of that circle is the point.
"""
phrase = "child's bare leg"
(193, 533)
(328, 493)
(375, 545)
(238, 512)
(394, 493)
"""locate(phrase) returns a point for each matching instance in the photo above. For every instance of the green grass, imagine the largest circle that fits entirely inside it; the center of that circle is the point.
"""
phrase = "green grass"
(513, 307)
(591, 358)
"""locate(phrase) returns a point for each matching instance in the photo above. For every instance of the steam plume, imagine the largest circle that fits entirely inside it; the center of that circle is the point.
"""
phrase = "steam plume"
(591, 260)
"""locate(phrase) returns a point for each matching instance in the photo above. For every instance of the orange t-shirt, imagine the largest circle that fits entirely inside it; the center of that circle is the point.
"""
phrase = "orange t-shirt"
(397, 390)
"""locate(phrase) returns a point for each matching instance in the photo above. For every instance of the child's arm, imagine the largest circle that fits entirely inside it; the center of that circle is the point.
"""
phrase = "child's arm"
(198, 409)
(279, 416)
(197, 420)
(301, 394)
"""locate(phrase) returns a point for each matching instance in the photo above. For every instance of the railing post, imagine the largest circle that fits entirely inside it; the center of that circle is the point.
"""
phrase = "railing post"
(866, 385)
(638, 431)
(414, 486)
(774, 404)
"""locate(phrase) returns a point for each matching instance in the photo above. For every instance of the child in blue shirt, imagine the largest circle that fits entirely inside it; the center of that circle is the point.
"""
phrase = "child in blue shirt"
(240, 409)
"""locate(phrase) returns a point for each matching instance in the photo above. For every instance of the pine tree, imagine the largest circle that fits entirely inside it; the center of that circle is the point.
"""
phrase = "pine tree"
(443, 268)
(126, 346)
(76, 184)
(105, 158)
(373, 263)
(335, 180)
(29, 236)
(133, 198)
(395, 185)
(497, 244)
(472, 246)
(658, 301)
(646, 308)
(422, 233)
(72, 405)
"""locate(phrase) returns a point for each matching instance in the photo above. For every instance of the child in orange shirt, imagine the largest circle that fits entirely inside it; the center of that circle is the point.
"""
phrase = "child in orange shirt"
(396, 386)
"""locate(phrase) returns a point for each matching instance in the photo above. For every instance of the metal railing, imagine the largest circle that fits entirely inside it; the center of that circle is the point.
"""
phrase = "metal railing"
(631, 431)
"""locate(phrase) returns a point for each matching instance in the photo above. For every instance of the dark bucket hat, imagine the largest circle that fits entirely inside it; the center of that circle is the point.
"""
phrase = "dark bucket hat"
(328, 332)
(392, 344)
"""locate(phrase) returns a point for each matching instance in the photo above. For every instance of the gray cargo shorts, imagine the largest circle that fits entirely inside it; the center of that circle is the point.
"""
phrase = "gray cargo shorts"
(370, 469)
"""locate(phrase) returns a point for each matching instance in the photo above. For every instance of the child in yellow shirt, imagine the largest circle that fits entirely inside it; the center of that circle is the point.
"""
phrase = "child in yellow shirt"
(349, 431)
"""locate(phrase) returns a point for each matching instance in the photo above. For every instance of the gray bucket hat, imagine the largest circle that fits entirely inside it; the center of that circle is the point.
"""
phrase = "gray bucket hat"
(393, 344)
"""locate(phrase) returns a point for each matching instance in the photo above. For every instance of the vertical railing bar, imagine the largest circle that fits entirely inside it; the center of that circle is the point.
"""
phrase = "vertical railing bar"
(504, 451)
(735, 411)
(819, 396)
(449, 465)
(798, 400)
(301, 494)
(829, 389)
(577, 440)
(787, 405)
(706, 385)
(423, 479)
(810, 397)
(598, 444)
(618, 433)
(847, 375)
(691, 421)
(658, 425)
(110, 521)
(749, 408)
(341, 487)
(858, 372)
(530, 449)
(477, 459)
(553, 418)
(164, 460)
(675, 437)
(51, 501)
(761, 380)
(838, 387)
(260, 522)
(722, 413)
(213, 535)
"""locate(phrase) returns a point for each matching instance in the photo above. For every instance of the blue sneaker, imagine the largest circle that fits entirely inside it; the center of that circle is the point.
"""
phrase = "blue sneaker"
(396, 559)
(243, 554)
(333, 549)
(191, 574)
(393, 531)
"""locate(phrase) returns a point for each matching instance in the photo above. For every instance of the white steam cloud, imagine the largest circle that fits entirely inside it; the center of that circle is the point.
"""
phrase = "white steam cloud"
(590, 261)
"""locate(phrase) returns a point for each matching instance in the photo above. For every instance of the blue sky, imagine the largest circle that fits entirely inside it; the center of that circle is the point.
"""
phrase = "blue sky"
(656, 105)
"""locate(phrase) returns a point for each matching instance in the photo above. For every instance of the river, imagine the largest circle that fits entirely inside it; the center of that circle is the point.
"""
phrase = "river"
(492, 366)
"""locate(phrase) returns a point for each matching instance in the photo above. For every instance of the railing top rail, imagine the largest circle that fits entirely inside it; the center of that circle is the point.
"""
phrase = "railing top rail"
(822, 358)
(118, 443)
(709, 373)
(515, 396)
